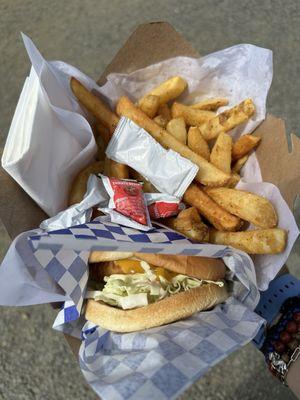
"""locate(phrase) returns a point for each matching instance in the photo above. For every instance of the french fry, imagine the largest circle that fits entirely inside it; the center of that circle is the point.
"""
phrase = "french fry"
(177, 129)
(234, 180)
(189, 213)
(197, 144)
(220, 155)
(244, 145)
(238, 165)
(79, 184)
(188, 222)
(169, 89)
(100, 156)
(208, 174)
(227, 120)
(161, 121)
(215, 214)
(147, 186)
(118, 170)
(245, 205)
(94, 105)
(100, 141)
(114, 169)
(259, 241)
(106, 169)
(211, 104)
(149, 104)
(102, 131)
(164, 111)
(191, 116)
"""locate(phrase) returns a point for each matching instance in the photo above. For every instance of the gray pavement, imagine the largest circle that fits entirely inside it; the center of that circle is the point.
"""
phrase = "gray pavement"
(36, 363)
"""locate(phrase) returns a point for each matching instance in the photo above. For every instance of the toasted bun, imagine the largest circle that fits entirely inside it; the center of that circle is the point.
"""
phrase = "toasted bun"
(170, 309)
(101, 256)
(196, 267)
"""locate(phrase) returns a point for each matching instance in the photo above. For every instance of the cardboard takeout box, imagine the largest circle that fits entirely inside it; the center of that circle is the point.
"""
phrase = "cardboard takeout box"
(151, 43)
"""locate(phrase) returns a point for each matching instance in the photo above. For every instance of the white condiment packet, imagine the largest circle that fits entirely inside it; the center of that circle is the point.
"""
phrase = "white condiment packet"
(167, 170)
(79, 213)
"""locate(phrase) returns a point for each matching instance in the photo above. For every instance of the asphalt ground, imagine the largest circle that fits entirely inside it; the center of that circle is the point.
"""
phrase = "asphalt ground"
(36, 362)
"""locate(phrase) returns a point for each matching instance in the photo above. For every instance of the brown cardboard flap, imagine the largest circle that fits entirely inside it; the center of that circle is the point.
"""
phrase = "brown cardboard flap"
(278, 165)
(149, 44)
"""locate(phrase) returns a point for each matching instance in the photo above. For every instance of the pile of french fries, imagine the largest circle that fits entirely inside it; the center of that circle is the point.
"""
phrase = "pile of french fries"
(216, 212)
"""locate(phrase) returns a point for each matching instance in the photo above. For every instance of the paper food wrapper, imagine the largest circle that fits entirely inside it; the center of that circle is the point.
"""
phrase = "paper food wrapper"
(49, 140)
(236, 73)
(162, 361)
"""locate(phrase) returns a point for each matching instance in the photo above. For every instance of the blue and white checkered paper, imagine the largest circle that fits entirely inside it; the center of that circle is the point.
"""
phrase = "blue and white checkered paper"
(162, 362)
(159, 362)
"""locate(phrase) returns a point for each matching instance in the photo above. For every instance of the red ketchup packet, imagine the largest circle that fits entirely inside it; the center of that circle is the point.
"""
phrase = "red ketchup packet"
(161, 209)
(127, 198)
(161, 205)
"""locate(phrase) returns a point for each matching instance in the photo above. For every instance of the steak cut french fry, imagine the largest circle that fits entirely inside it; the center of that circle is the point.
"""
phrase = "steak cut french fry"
(188, 222)
(103, 132)
(161, 121)
(100, 155)
(177, 129)
(244, 145)
(245, 205)
(215, 214)
(165, 112)
(196, 143)
(79, 184)
(118, 170)
(234, 180)
(259, 241)
(220, 155)
(149, 104)
(211, 104)
(114, 169)
(106, 169)
(147, 185)
(192, 116)
(169, 89)
(238, 165)
(227, 120)
(208, 174)
(94, 105)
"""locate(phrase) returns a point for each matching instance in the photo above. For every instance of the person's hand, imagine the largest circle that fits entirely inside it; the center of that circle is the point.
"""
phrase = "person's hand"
(279, 340)
(292, 378)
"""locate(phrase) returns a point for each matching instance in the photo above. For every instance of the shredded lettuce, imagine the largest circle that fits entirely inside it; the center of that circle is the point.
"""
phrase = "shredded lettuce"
(138, 290)
(134, 300)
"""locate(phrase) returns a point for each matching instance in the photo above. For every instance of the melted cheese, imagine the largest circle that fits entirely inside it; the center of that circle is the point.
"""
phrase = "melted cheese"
(129, 266)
